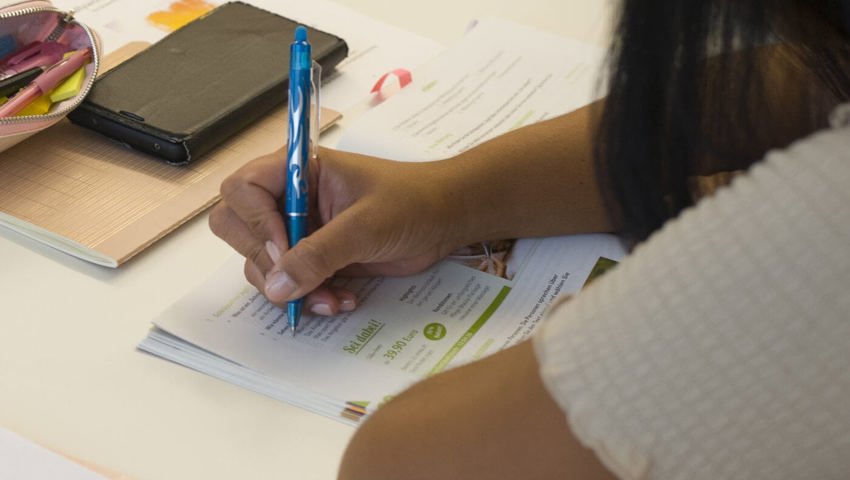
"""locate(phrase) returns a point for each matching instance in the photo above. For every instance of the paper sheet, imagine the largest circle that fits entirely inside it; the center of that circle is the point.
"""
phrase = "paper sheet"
(21, 459)
(501, 76)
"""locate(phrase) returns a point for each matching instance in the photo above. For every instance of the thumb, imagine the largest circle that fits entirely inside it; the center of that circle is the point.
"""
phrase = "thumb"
(314, 259)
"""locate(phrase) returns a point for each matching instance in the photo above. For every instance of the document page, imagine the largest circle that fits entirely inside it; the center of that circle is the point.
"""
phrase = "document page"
(405, 329)
(21, 459)
(500, 77)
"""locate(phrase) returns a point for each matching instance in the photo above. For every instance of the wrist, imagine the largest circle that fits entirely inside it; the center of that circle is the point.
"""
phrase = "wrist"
(470, 204)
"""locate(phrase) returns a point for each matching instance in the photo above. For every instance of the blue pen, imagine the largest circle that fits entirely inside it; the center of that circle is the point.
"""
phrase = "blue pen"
(298, 150)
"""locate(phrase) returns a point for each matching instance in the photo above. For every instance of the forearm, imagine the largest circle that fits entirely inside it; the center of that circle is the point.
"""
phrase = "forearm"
(492, 419)
(539, 180)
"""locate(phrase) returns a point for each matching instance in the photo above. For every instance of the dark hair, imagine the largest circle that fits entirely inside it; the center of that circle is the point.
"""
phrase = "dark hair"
(675, 109)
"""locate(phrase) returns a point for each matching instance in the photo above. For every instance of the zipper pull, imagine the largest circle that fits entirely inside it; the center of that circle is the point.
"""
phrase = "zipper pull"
(57, 32)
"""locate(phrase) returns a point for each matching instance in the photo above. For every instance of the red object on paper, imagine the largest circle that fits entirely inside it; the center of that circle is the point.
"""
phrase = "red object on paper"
(404, 78)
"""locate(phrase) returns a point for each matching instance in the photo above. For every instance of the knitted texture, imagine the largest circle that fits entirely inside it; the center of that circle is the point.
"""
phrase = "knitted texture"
(720, 348)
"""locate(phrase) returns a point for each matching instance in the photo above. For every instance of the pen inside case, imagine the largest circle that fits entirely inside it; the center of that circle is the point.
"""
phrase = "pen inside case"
(25, 26)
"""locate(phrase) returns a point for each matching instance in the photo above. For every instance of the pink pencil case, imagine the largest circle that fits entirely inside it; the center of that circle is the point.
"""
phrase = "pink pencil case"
(28, 22)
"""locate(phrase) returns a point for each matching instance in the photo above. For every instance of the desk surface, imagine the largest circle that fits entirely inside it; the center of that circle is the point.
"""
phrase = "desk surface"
(71, 378)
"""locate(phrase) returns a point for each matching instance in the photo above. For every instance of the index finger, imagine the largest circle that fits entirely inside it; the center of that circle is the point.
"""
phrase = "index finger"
(253, 192)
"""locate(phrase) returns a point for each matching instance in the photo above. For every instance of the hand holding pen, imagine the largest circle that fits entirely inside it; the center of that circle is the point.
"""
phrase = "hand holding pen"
(373, 217)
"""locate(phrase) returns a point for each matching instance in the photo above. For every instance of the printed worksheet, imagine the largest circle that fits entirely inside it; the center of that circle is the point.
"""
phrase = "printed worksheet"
(488, 84)
(405, 329)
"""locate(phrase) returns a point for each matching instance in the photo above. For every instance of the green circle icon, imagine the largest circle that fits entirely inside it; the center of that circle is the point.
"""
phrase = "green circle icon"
(435, 331)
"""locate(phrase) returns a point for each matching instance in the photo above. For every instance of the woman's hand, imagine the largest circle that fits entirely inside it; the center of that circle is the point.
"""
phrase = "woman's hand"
(378, 217)
(368, 217)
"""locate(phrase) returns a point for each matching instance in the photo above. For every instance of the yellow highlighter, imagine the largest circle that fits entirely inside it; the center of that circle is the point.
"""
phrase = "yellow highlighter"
(39, 106)
(67, 88)
(70, 87)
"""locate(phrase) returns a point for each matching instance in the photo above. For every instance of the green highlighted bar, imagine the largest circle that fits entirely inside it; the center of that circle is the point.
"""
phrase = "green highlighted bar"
(473, 329)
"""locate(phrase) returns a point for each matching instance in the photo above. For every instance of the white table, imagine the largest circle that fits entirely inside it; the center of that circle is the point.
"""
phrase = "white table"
(71, 378)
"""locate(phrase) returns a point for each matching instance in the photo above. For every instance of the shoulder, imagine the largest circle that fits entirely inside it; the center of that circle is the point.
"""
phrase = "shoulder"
(706, 353)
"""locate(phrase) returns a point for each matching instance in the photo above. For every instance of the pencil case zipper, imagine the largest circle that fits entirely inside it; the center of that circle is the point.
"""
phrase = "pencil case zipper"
(63, 20)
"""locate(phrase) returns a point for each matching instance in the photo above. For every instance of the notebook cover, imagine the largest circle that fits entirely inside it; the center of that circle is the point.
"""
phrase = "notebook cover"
(204, 82)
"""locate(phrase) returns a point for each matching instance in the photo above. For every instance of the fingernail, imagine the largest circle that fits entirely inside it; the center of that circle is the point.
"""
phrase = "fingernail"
(347, 304)
(321, 309)
(279, 286)
(273, 251)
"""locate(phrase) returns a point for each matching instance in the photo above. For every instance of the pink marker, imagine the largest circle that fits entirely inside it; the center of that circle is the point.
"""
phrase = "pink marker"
(37, 54)
(45, 82)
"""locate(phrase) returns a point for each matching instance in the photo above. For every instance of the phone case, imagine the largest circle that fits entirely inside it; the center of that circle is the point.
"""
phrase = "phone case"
(202, 83)
(21, 24)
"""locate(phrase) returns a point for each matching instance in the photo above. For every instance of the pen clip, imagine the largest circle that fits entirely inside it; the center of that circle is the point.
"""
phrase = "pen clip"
(315, 107)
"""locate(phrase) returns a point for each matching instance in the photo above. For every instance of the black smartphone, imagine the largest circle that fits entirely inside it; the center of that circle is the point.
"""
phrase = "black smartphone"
(202, 83)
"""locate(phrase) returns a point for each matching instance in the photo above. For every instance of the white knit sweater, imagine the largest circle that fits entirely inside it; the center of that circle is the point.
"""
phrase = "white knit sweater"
(720, 349)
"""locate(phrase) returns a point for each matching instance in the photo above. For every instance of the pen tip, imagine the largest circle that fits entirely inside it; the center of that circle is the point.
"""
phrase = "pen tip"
(293, 311)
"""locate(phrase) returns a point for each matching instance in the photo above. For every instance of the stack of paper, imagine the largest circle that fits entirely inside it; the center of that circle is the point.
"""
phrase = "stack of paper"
(406, 329)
